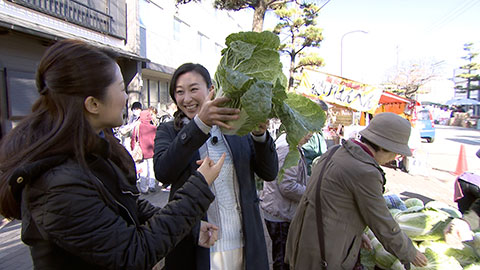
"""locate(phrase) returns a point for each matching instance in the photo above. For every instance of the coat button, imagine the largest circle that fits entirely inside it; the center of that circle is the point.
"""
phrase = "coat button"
(19, 180)
(183, 136)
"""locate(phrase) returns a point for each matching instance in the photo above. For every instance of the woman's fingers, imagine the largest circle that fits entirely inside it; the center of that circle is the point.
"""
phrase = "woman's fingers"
(211, 94)
(219, 163)
(220, 100)
(210, 170)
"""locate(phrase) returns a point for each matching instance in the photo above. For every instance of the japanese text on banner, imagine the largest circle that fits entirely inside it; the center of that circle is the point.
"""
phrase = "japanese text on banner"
(333, 89)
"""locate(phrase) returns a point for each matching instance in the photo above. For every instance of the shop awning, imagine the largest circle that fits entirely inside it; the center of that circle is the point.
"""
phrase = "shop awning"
(388, 98)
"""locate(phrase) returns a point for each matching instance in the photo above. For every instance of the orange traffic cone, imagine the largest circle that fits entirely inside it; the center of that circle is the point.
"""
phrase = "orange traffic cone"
(462, 161)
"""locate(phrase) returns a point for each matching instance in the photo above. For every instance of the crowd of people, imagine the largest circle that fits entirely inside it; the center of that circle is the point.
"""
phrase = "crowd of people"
(73, 172)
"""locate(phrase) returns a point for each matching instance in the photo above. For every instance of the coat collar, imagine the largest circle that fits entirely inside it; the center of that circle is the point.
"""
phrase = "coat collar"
(357, 152)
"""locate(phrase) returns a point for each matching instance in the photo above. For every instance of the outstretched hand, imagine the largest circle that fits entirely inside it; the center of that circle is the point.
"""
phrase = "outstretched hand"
(209, 169)
(420, 259)
(366, 243)
(211, 113)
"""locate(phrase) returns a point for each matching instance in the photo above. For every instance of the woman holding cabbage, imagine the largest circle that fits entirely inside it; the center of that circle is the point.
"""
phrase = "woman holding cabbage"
(194, 133)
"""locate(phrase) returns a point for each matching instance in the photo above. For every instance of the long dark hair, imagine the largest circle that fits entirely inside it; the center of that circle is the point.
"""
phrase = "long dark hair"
(69, 71)
(184, 68)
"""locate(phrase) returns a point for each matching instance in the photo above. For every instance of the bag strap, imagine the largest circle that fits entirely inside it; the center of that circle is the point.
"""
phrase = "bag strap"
(318, 207)
(137, 133)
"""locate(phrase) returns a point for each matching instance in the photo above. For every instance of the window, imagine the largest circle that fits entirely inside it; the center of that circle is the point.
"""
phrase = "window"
(21, 92)
(155, 93)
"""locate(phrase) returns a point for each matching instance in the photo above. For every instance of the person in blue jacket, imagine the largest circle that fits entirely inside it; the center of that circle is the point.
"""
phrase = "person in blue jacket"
(195, 133)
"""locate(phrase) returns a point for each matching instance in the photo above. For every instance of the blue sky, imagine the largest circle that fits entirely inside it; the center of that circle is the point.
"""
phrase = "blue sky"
(399, 31)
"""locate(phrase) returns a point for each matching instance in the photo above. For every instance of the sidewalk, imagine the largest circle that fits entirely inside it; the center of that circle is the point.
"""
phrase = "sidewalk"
(437, 186)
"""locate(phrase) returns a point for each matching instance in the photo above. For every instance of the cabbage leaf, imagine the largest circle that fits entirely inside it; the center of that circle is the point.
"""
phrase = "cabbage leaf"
(250, 74)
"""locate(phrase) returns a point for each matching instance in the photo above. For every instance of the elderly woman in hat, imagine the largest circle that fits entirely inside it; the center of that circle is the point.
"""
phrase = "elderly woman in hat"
(345, 195)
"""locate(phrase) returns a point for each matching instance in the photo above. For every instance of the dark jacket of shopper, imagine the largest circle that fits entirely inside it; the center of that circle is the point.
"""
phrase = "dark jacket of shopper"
(73, 218)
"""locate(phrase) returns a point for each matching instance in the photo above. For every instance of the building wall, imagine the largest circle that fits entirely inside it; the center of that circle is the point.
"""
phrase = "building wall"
(25, 34)
(172, 35)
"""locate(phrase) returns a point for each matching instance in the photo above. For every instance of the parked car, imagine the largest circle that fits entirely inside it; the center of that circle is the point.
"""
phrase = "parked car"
(425, 125)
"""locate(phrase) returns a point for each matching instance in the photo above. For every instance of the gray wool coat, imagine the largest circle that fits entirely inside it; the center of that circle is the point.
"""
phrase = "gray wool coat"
(352, 198)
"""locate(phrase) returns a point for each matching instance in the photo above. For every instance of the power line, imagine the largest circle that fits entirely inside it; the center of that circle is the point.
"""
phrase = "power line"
(450, 16)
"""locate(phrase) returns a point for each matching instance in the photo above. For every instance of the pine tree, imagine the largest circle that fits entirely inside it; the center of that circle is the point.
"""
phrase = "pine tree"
(470, 73)
(298, 26)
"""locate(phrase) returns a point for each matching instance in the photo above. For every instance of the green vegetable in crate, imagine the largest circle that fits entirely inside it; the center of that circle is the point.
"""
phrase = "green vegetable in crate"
(475, 243)
(383, 258)
(464, 256)
(413, 202)
(397, 265)
(453, 212)
(367, 258)
(473, 266)
(426, 224)
(369, 233)
(395, 211)
(250, 74)
(439, 261)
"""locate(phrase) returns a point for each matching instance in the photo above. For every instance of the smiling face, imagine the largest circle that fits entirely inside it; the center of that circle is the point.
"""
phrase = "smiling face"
(190, 93)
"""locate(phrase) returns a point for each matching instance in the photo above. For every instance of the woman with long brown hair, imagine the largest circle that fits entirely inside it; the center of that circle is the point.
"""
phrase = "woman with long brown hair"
(72, 183)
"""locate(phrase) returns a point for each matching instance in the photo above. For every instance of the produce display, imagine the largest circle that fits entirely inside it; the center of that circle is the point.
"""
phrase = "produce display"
(424, 224)
(250, 74)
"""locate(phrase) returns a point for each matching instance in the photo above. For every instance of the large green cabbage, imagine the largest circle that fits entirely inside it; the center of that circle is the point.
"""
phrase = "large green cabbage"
(464, 256)
(425, 224)
(439, 261)
(250, 74)
(413, 202)
(453, 212)
(383, 258)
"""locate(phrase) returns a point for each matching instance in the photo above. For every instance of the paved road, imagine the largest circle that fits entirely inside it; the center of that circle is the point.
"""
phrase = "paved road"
(433, 180)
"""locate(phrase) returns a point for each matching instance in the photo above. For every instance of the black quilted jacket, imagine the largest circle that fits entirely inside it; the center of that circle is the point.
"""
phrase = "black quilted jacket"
(74, 219)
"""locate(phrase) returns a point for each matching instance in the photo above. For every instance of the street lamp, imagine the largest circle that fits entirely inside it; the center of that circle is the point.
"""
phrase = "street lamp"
(341, 48)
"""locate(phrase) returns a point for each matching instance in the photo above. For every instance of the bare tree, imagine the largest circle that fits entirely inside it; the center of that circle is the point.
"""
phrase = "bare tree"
(408, 78)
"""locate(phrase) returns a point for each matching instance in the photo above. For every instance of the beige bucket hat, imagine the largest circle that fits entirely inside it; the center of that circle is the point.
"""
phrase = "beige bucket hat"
(390, 132)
